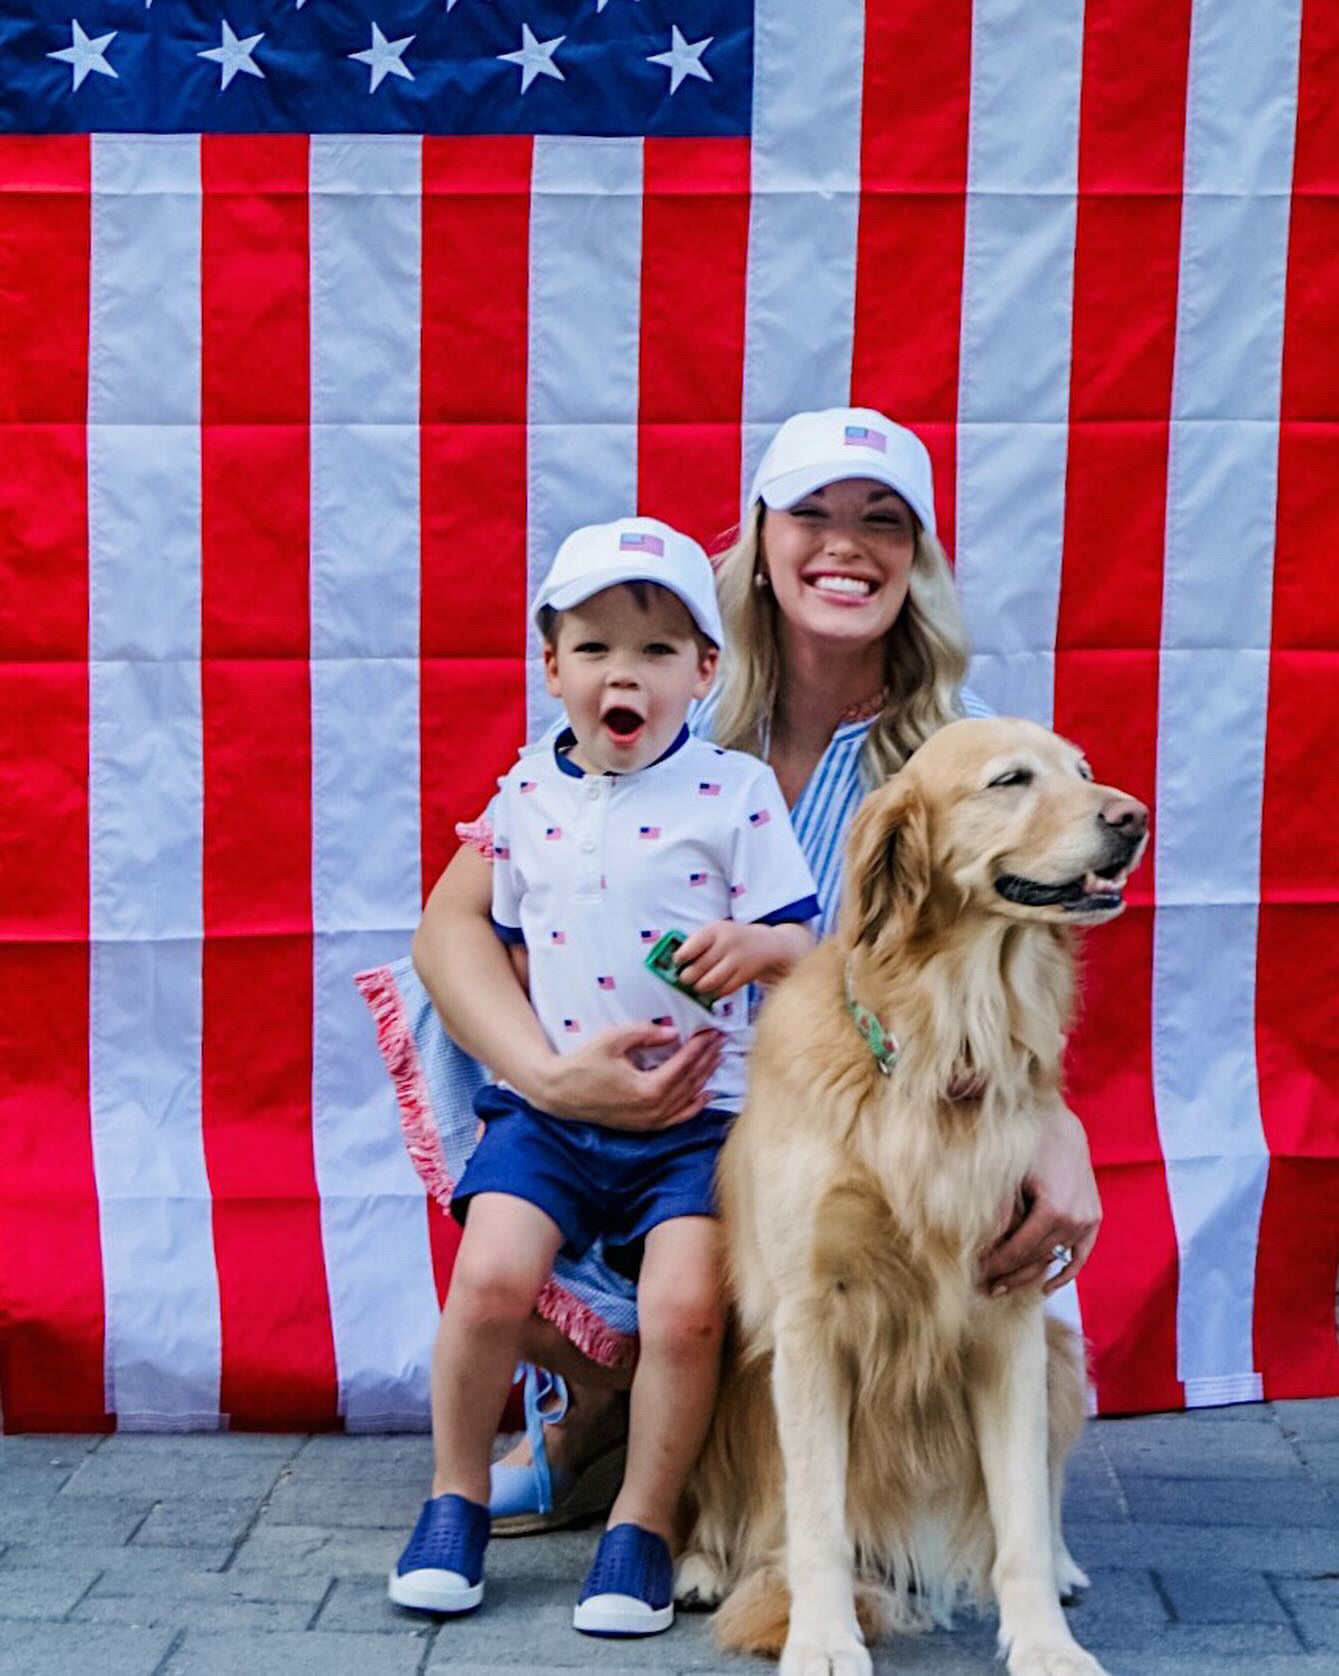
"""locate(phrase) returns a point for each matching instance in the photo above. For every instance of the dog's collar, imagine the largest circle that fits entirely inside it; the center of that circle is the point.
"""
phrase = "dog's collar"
(879, 1042)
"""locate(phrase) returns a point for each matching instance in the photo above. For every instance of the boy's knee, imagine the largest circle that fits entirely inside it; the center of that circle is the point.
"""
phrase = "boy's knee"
(690, 1323)
(491, 1292)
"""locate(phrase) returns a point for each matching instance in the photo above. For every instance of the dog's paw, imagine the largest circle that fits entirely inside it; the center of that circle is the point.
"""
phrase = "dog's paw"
(698, 1583)
(1068, 1659)
(834, 1652)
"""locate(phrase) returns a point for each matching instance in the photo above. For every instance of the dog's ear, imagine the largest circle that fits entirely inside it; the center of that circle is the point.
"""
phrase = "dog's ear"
(887, 864)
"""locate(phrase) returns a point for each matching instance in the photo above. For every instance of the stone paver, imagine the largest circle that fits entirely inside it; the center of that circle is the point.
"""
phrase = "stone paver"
(1212, 1541)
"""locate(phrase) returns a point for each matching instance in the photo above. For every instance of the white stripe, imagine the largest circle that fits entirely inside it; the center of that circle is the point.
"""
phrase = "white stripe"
(1217, 595)
(146, 783)
(808, 74)
(1017, 303)
(585, 316)
(365, 298)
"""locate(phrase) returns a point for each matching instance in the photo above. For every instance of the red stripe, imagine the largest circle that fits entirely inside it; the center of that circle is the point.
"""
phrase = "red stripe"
(476, 275)
(278, 1364)
(695, 233)
(913, 206)
(51, 1290)
(1297, 973)
(1126, 261)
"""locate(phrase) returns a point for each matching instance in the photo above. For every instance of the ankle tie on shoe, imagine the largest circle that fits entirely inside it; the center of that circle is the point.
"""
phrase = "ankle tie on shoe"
(539, 1385)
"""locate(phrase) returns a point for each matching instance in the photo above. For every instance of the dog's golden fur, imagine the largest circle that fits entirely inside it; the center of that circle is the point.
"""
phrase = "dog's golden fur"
(919, 1427)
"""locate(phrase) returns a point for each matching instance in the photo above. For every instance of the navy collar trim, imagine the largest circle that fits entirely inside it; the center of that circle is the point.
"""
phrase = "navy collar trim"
(566, 739)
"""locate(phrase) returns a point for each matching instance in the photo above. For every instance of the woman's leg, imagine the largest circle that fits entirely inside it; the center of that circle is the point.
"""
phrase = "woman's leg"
(505, 1256)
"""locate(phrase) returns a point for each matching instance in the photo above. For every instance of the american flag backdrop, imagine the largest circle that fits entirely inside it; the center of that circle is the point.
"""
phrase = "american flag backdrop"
(322, 323)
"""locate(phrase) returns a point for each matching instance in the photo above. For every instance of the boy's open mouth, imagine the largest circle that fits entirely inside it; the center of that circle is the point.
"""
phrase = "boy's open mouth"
(623, 724)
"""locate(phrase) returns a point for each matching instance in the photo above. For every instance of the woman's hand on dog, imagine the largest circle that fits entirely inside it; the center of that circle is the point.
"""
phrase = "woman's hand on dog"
(1061, 1207)
(601, 1083)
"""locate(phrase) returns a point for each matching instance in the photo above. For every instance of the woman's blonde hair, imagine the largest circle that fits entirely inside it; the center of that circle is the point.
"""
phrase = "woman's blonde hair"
(924, 655)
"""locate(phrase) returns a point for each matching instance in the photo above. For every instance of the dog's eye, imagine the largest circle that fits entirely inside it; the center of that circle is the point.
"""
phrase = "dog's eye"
(1085, 771)
(1014, 777)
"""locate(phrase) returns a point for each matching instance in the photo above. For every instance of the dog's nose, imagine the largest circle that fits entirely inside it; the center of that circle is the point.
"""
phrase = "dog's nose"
(1127, 815)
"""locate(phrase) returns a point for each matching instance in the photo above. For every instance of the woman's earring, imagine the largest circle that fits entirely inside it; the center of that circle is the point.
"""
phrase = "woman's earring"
(761, 580)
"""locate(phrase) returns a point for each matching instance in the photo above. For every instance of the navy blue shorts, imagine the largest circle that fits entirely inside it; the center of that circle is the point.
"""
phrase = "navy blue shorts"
(593, 1181)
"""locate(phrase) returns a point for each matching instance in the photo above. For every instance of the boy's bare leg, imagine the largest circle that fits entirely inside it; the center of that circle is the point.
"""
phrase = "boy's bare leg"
(505, 1257)
(681, 1315)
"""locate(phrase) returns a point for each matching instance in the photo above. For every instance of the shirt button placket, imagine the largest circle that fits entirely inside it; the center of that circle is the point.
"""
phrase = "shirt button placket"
(591, 839)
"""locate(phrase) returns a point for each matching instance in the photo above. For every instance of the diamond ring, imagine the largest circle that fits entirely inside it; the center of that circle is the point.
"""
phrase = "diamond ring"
(1061, 1254)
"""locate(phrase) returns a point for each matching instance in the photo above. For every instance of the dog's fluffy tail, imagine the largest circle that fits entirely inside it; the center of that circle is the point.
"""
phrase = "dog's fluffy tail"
(755, 1616)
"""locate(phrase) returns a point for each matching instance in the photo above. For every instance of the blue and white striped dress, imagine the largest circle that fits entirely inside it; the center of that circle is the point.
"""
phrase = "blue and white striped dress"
(436, 1081)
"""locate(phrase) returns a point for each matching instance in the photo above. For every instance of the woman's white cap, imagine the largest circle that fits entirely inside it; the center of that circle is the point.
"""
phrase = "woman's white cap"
(599, 556)
(814, 449)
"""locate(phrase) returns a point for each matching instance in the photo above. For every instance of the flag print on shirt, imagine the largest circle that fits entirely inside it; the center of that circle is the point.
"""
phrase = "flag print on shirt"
(555, 832)
(697, 878)
(708, 788)
(648, 936)
(759, 817)
(737, 891)
(605, 983)
(528, 785)
(648, 832)
(501, 849)
(572, 1026)
(557, 937)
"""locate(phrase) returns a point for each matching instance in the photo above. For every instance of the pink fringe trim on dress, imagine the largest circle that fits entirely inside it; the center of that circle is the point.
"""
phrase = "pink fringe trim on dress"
(396, 1041)
(575, 1320)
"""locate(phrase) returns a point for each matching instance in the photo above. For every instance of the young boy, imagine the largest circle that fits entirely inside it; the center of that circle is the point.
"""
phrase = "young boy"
(623, 828)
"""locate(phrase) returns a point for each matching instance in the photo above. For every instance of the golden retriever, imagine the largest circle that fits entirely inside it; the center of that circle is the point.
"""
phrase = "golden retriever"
(889, 1440)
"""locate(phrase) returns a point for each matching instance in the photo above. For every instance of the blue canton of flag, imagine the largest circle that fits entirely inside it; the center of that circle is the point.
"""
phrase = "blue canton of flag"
(621, 67)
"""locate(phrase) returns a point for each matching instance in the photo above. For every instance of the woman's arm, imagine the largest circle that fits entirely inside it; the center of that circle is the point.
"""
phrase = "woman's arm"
(1063, 1208)
(466, 970)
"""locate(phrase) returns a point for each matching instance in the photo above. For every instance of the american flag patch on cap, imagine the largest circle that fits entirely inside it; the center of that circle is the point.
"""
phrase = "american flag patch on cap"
(638, 541)
(862, 436)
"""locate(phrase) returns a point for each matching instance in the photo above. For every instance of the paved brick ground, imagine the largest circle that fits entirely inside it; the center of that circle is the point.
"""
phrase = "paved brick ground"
(1212, 1539)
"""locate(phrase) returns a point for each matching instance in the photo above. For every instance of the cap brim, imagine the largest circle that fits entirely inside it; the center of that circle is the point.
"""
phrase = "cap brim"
(781, 493)
(571, 594)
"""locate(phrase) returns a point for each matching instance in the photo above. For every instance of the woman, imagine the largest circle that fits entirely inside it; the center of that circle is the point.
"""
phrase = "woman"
(847, 652)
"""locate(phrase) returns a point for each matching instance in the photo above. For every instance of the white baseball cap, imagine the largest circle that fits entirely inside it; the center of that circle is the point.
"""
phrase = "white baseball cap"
(814, 449)
(599, 556)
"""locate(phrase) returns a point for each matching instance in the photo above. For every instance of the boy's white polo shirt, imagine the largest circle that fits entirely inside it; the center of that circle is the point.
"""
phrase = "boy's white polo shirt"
(589, 870)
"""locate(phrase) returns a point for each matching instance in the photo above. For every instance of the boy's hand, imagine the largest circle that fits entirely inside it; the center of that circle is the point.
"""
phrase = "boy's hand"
(720, 958)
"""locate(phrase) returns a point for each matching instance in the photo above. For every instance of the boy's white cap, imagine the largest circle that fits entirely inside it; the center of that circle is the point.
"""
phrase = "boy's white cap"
(599, 556)
(814, 449)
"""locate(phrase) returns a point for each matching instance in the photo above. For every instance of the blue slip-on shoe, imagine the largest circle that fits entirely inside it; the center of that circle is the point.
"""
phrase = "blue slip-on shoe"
(540, 1496)
(442, 1567)
(629, 1589)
